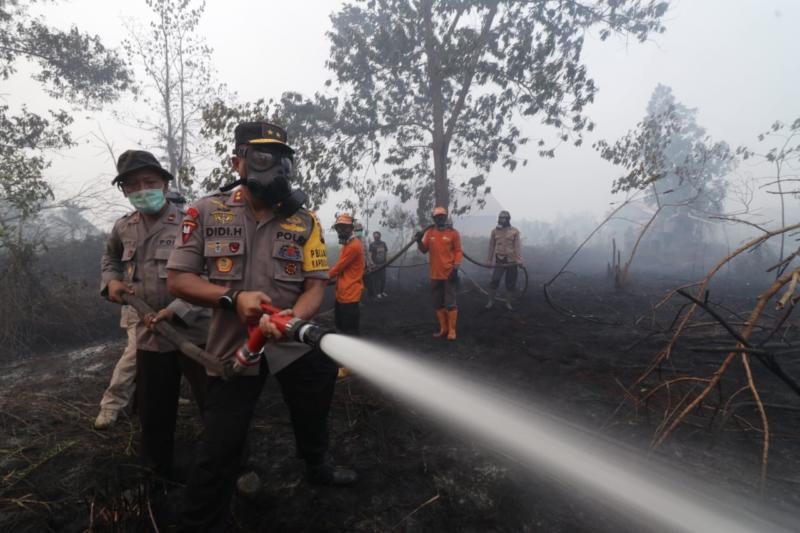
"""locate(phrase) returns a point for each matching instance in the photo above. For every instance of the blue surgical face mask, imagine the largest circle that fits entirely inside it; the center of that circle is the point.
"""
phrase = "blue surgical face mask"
(148, 201)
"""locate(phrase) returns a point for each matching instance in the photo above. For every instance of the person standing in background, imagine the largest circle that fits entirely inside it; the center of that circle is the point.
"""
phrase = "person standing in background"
(505, 253)
(378, 254)
(443, 243)
(349, 275)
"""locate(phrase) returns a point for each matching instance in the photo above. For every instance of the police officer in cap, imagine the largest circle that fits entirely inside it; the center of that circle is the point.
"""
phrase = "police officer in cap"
(257, 245)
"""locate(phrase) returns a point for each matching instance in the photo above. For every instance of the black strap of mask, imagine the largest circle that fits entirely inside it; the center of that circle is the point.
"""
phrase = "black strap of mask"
(230, 186)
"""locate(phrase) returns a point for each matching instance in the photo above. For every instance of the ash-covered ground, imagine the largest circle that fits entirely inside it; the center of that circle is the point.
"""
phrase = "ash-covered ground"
(58, 474)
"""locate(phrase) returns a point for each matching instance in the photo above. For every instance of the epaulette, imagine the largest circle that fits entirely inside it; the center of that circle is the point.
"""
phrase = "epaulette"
(133, 216)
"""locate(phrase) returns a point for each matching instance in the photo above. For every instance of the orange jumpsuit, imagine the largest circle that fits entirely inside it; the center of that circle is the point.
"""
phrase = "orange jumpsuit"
(444, 247)
(349, 274)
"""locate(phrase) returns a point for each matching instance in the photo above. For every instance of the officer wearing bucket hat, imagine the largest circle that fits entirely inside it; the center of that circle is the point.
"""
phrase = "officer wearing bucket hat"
(120, 390)
(135, 261)
(258, 245)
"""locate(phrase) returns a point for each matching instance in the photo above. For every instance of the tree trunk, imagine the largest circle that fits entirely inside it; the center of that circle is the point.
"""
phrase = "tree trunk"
(441, 184)
(439, 142)
(167, 98)
(181, 159)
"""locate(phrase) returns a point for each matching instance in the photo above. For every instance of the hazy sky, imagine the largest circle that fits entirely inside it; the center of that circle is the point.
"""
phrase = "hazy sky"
(734, 60)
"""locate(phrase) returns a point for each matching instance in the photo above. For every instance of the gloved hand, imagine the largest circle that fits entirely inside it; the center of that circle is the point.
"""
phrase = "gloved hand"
(418, 236)
(454, 274)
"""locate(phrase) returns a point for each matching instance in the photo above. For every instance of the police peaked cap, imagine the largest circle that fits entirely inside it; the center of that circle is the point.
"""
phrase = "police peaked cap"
(264, 133)
(132, 161)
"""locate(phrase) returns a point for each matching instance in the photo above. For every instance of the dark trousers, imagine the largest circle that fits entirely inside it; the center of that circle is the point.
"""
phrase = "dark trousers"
(307, 387)
(510, 273)
(347, 317)
(158, 381)
(443, 293)
(379, 281)
(369, 283)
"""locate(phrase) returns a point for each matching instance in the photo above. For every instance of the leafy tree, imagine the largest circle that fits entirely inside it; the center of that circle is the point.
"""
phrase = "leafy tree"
(671, 157)
(433, 84)
(671, 154)
(320, 167)
(73, 66)
(178, 80)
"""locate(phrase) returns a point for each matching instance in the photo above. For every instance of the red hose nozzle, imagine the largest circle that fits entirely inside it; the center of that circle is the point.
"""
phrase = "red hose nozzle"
(290, 326)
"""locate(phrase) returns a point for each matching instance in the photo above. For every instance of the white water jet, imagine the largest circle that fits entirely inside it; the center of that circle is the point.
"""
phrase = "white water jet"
(659, 501)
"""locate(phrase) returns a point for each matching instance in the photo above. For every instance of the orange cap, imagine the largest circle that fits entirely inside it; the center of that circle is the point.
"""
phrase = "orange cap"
(343, 218)
(439, 210)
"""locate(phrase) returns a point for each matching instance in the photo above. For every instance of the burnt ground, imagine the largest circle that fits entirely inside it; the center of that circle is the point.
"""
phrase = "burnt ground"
(58, 474)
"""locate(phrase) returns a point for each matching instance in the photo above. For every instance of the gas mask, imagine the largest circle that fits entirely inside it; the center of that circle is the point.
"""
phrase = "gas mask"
(503, 222)
(269, 171)
(440, 221)
(344, 232)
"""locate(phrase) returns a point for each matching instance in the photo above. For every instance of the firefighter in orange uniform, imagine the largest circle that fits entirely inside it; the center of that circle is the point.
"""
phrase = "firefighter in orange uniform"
(444, 245)
(349, 274)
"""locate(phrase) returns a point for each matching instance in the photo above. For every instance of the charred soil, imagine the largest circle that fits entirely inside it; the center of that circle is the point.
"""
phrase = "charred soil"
(57, 473)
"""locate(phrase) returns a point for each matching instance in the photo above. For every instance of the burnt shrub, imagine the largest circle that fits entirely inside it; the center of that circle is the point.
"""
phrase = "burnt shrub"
(49, 296)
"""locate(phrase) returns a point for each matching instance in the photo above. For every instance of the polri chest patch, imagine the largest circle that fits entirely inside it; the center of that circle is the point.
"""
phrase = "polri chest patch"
(290, 252)
(290, 269)
(224, 264)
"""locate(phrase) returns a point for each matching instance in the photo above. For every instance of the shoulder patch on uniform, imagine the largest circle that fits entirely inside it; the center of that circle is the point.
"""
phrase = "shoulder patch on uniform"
(294, 223)
(187, 228)
(315, 253)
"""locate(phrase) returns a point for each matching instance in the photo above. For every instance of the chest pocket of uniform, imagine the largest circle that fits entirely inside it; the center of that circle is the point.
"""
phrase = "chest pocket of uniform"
(128, 260)
(161, 255)
(224, 258)
(288, 257)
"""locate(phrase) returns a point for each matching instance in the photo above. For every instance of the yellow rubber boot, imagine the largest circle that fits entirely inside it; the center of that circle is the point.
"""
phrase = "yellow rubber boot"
(452, 317)
(441, 314)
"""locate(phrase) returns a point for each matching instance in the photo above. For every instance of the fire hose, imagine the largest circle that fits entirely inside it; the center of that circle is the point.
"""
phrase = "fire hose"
(172, 335)
(405, 248)
(290, 326)
(508, 265)
(396, 256)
